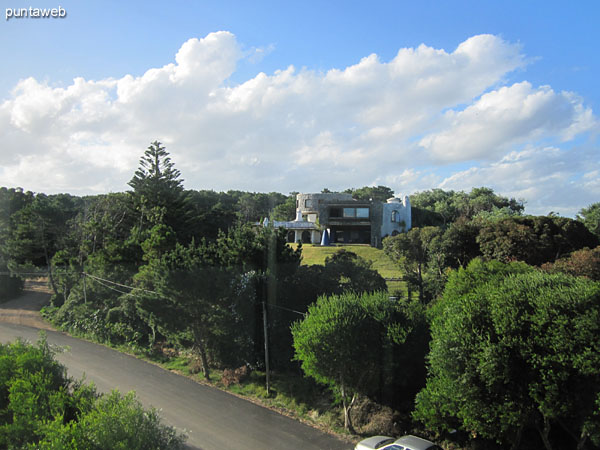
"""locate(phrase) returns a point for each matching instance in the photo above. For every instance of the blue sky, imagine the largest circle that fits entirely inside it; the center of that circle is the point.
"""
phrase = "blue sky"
(287, 96)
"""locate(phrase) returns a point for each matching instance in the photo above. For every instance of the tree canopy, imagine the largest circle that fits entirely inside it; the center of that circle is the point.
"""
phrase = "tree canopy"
(512, 351)
(590, 217)
(340, 341)
(374, 193)
(42, 408)
(438, 207)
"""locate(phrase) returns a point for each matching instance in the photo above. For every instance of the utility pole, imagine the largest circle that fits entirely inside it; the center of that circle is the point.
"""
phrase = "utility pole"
(81, 260)
(84, 286)
(266, 335)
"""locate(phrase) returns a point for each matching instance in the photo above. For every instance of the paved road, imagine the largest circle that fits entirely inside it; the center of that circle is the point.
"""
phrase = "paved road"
(213, 419)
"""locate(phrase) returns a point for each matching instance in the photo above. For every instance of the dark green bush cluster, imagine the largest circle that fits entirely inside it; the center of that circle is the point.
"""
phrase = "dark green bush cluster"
(41, 408)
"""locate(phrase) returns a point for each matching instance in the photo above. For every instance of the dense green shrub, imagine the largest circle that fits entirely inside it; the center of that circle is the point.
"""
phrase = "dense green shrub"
(41, 407)
(514, 354)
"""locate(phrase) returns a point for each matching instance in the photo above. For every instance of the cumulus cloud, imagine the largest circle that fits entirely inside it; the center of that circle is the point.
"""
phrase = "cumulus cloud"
(375, 122)
(511, 115)
(547, 178)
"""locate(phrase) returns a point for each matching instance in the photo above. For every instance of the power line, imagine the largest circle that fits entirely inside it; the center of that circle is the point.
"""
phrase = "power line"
(286, 309)
(112, 288)
(119, 284)
(106, 283)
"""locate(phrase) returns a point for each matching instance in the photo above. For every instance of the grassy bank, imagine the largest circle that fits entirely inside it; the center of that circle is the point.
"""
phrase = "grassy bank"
(290, 394)
(316, 254)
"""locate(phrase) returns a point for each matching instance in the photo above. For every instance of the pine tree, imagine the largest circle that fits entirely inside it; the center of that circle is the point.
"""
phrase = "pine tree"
(156, 178)
(158, 192)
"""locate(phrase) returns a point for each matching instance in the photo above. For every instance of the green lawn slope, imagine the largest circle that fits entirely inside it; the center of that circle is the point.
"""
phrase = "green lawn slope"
(316, 254)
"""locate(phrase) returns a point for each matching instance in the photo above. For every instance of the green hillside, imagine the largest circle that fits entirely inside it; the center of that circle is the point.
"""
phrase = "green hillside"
(316, 254)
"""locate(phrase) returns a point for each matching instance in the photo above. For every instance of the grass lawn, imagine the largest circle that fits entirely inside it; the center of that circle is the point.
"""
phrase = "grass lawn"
(316, 254)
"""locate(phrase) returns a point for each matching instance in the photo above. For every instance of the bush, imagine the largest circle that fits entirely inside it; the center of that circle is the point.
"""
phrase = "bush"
(40, 407)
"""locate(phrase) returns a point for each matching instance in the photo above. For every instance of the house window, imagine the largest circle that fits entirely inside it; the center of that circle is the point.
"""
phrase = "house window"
(394, 216)
(308, 203)
(335, 212)
(362, 212)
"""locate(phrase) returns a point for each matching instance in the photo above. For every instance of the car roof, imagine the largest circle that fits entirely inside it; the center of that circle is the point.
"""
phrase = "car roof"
(414, 442)
(376, 441)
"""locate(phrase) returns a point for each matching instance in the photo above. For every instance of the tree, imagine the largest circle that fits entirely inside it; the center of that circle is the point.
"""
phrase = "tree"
(438, 207)
(509, 241)
(287, 210)
(253, 207)
(590, 217)
(189, 287)
(211, 212)
(266, 266)
(511, 353)
(434, 207)
(156, 177)
(416, 251)
(460, 243)
(346, 271)
(373, 193)
(580, 263)
(158, 192)
(533, 239)
(340, 340)
(42, 408)
(38, 231)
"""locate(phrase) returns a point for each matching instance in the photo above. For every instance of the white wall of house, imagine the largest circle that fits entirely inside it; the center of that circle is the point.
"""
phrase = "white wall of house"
(396, 216)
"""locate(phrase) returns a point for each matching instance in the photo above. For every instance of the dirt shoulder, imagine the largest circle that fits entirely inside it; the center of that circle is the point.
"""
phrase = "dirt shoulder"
(24, 310)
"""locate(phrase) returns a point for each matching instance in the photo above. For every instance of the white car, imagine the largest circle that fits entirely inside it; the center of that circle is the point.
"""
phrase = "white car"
(389, 443)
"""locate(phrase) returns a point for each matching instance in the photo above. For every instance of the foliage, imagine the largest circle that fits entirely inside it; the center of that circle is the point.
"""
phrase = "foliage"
(580, 263)
(511, 353)
(345, 271)
(158, 192)
(187, 286)
(437, 207)
(40, 407)
(372, 193)
(420, 254)
(117, 422)
(211, 212)
(533, 239)
(341, 340)
(590, 217)
(460, 243)
(254, 206)
(38, 231)
(156, 178)
(287, 210)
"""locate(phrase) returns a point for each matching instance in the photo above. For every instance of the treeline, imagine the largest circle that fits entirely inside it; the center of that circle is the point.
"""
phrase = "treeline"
(452, 228)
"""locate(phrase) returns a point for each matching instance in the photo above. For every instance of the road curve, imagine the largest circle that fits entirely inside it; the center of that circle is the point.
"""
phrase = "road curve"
(212, 419)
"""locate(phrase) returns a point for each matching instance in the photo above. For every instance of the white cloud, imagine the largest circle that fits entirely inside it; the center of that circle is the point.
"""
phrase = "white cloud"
(502, 118)
(548, 178)
(374, 122)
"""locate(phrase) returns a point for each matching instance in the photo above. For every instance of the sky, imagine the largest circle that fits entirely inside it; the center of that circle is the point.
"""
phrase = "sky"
(300, 96)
